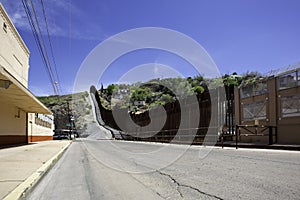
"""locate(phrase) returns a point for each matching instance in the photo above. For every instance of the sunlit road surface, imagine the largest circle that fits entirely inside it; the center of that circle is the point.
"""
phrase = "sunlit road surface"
(90, 169)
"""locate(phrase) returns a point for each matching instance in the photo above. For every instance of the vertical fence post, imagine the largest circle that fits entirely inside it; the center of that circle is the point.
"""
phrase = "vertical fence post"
(270, 135)
(276, 135)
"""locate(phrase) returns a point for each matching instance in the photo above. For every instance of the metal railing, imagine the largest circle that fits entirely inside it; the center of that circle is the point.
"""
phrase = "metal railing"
(182, 136)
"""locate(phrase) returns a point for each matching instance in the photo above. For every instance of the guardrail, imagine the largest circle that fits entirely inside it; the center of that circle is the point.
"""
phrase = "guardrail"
(182, 136)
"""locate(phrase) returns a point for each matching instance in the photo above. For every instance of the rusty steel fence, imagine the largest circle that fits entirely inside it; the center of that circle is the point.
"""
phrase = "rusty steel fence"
(222, 116)
(272, 101)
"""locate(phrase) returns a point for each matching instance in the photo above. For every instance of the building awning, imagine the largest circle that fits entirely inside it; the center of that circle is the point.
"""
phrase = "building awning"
(20, 96)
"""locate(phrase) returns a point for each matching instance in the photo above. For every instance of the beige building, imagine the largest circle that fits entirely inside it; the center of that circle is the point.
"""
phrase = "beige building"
(16, 101)
(40, 127)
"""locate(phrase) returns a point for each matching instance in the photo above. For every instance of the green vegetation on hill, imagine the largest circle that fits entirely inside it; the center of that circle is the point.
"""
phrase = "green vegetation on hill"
(138, 97)
(143, 96)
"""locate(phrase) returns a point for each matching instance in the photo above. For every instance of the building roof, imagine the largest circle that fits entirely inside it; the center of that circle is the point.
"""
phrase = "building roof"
(20, 96)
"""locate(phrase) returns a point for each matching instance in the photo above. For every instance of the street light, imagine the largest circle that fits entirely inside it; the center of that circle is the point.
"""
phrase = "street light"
(4, 84)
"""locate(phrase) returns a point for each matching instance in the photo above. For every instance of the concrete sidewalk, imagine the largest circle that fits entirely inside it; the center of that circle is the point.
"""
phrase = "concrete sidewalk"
(22, 166)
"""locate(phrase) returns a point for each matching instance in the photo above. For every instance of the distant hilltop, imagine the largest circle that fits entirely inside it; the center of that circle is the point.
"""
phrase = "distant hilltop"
(75, 105)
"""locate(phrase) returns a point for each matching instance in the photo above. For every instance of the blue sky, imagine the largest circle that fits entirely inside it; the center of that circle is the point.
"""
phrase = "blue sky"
(239, 35)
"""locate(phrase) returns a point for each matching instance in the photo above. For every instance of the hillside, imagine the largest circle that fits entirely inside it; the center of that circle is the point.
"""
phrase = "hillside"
(119, 96)
(140, 97)
(76, 105)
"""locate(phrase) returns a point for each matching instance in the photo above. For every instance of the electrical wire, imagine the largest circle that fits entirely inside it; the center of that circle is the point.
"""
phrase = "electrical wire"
(51, 48)
(38, 43)
(44, 46)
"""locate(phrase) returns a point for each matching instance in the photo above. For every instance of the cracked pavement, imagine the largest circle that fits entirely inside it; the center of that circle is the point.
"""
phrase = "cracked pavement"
(92, 169)
(179, 185)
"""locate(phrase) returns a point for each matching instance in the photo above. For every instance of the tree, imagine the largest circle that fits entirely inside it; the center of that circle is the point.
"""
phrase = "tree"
(112, 88)
(198, 89)
(232, 79)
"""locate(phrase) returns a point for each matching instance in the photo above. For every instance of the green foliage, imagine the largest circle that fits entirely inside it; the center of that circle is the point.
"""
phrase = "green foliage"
(141, 94)
(251, 78)
(198, 89)
(162, 91)
(111, 89)
(166, 98)
(232, 79)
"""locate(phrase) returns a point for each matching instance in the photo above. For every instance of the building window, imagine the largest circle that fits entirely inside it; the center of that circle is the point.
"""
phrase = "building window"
(43, 120)
(256, 110)
(290, 106)
(5, 27)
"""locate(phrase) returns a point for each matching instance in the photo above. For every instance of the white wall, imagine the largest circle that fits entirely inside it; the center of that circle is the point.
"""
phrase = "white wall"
(14, 55)
(38, 130)
(10, 122)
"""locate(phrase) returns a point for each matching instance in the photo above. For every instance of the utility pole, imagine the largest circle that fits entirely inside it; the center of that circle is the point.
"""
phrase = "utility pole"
(69, 119)
(73, 126)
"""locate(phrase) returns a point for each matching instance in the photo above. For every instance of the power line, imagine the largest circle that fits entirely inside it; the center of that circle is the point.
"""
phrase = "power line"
(44, 46)
(40, 42)
(36, 38)
(51, 48)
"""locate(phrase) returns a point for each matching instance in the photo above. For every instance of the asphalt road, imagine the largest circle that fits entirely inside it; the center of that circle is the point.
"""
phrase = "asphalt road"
(104, 169)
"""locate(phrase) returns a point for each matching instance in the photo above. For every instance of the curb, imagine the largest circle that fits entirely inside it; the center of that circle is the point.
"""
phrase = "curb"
(33, 179)
(257, 146)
